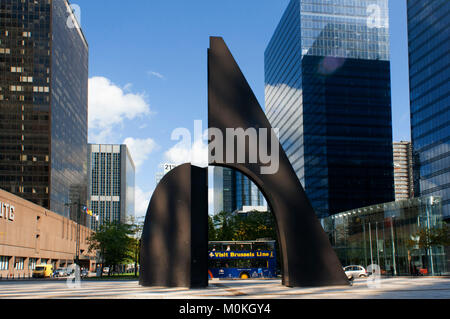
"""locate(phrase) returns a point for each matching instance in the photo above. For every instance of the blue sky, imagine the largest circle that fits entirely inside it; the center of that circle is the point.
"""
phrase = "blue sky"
(148, 68)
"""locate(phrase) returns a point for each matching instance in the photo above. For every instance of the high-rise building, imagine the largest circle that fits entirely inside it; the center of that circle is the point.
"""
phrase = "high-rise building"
(165, 168)
(429, 72)
(111, 184)
(234, 191)
(328, 91)
(43, 103)
(403, 171)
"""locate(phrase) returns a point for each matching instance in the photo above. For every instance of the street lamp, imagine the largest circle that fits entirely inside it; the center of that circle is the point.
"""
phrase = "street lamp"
(77, 252)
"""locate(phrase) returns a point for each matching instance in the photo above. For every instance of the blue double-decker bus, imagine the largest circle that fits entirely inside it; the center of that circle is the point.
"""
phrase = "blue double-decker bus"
(242, 259)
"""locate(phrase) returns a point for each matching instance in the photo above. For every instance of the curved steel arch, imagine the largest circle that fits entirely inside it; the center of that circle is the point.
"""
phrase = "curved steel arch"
(174, 242)
(308, 260)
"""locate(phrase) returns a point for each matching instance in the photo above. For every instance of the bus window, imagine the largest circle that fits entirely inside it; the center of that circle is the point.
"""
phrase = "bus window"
(257, 259)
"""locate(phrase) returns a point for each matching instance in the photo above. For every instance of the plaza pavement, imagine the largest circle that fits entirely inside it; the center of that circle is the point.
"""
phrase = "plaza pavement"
(389, 288)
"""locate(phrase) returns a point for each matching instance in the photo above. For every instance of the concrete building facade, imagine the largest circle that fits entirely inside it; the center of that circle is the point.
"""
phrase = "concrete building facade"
(32, 235)
(111, 183)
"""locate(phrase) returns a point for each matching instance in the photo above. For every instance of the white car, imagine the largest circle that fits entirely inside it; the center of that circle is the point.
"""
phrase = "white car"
(355, 271)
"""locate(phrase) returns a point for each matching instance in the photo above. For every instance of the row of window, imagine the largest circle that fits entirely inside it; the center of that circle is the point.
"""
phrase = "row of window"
(439, 77)
(425, 112)
(418, 30)
(425, 48)
(106, 174)
(19, 263)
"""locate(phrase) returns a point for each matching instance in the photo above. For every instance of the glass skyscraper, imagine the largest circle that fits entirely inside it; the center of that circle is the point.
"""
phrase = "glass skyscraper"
(429, 68)
(43, 103)
(233, 191)
(328, 90)
(111, 183)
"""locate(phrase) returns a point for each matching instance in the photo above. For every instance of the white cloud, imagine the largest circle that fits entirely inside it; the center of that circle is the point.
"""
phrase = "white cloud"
(197, 154)
(142, 200)
(140, 149)
(157, 74)
(109, 105)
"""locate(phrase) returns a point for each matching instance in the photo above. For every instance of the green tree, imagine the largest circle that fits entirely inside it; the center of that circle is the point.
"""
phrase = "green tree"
(254, 226)
(135, 248)
(235, 227)
(212, 232)
(136, 227)
(224, 224)
(425, 238)
(112, 241)
(440, 236)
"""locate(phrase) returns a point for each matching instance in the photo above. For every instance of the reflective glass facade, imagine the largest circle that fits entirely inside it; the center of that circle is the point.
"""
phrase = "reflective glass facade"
(381, 235)
(111, 183)
(327, 75)
(43, 103)
(429, 68)
(224, 195)
(233, 191)
(247, 193)
(69, 89)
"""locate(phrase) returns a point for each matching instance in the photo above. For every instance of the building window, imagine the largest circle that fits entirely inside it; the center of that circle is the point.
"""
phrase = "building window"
(32, 263)
(19, 262)
(4, 263)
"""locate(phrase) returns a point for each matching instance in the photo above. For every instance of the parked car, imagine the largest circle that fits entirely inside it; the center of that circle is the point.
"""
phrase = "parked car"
(84, 273)
(356, 271)
(106, 270)
(43, 271)
(60, 272)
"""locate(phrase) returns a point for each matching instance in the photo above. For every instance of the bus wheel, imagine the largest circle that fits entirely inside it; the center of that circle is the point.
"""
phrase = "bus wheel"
(244, 276)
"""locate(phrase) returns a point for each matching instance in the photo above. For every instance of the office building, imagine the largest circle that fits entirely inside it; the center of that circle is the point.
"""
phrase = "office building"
(164, 169)
(403, 171)
(43, 104)
(111, 184)
(386, 235)
(247, 210)
(233, 191)
(429, 72)
(327, 74)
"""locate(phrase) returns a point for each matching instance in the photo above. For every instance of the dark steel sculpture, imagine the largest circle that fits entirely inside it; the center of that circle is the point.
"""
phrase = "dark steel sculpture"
(308, 259)
(174, 243)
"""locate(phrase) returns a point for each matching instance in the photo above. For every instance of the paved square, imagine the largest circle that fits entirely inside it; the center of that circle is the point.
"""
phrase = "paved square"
(391, 288)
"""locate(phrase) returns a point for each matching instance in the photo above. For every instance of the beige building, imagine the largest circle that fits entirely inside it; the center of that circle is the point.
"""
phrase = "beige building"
(32, 235)
(403, 171)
